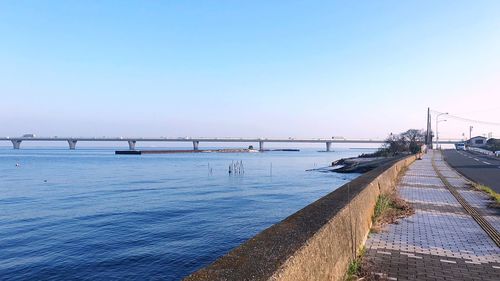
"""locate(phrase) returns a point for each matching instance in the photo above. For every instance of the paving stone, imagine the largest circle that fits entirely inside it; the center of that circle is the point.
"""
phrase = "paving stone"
(440, 241)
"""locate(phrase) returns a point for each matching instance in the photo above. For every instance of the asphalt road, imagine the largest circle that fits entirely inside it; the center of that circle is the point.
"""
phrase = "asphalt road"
(475, 166)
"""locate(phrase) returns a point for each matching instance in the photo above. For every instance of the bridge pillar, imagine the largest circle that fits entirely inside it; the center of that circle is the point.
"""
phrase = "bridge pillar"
(261, 145)
(72, 144)
(131, 144)
(196, 145)
(16, 143)
(328, 146)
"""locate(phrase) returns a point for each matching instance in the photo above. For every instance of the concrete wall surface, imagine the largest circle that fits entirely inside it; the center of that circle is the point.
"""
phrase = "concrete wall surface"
(316, 243)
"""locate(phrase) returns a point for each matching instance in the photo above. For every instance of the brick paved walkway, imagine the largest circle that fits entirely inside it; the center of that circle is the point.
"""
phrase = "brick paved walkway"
(440, 241)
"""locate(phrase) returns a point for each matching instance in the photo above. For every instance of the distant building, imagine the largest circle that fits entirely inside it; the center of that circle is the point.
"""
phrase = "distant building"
(478, 141)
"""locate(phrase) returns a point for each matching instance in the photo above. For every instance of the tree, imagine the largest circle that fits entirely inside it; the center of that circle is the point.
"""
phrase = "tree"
(409, 141)
(415, 139)
(493, 144)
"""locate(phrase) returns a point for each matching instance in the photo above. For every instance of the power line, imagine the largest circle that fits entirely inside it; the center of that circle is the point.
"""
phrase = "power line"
(467, 119)
(480, 110)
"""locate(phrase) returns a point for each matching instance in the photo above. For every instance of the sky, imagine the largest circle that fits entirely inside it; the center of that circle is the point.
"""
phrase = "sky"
(247, 68)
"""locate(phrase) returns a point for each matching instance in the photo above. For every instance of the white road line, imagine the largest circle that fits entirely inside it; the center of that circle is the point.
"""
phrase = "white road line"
(471, 157)
(384, 253)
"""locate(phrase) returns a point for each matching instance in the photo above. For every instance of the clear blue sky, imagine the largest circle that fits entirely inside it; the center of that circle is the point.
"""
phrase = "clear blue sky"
(259, 68)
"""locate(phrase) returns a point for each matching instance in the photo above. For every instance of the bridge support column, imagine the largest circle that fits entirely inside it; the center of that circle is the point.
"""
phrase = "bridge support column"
(196, 144)
(261, 145)
(131, 144)
(72, 144)
(16, 143)
(328, 146)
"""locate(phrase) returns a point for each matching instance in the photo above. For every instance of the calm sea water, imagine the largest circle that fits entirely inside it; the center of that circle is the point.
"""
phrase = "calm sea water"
(88, 214)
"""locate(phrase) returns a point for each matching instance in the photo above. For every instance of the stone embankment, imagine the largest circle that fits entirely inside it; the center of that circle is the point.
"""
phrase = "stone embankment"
(317, 242)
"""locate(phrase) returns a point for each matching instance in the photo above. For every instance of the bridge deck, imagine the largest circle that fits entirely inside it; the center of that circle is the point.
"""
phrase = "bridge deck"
(16, 141)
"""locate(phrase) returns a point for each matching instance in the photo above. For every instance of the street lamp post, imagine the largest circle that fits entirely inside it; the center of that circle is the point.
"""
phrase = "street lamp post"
(437, 133)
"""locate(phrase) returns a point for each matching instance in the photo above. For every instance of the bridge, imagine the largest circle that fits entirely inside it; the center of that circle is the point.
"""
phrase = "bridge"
(72, 141)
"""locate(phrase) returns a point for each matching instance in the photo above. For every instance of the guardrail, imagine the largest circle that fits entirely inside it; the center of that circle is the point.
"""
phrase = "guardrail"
(484, 151)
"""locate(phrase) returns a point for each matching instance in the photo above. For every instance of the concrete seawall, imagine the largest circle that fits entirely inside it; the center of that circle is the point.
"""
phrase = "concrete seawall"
(316, 243)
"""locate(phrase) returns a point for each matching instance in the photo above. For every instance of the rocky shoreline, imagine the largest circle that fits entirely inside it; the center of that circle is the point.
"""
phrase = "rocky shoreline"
(359, 164)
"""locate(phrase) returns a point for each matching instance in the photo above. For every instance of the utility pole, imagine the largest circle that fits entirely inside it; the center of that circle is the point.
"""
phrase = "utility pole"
(428, 139)
(470, 132)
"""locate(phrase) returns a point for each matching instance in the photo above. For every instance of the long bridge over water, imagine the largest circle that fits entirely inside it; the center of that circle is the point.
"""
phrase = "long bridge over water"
(72, 141)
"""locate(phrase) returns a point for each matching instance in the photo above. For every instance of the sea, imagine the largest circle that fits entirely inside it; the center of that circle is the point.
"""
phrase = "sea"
(88, 214)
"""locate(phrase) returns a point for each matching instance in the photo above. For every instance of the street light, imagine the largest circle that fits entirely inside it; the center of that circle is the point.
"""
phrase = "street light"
(437, 133)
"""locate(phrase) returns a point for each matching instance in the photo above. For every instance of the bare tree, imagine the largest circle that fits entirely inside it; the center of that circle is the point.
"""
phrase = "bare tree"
(406, 142)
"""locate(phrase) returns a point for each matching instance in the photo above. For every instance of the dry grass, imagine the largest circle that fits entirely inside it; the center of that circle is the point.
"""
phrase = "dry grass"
(363, 270)
(389, 209)
(491, 193)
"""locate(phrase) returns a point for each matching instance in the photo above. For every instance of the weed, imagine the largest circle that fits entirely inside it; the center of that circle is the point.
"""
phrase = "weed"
(388, 209)
(383, 203)
(354, 267)
(493, 195)
(354, 270)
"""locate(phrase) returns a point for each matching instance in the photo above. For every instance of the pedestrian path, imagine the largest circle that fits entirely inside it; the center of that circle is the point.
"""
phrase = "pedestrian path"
(441, 241)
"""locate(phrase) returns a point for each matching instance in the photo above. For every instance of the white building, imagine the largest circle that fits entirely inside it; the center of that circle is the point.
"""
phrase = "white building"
(478, 141)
